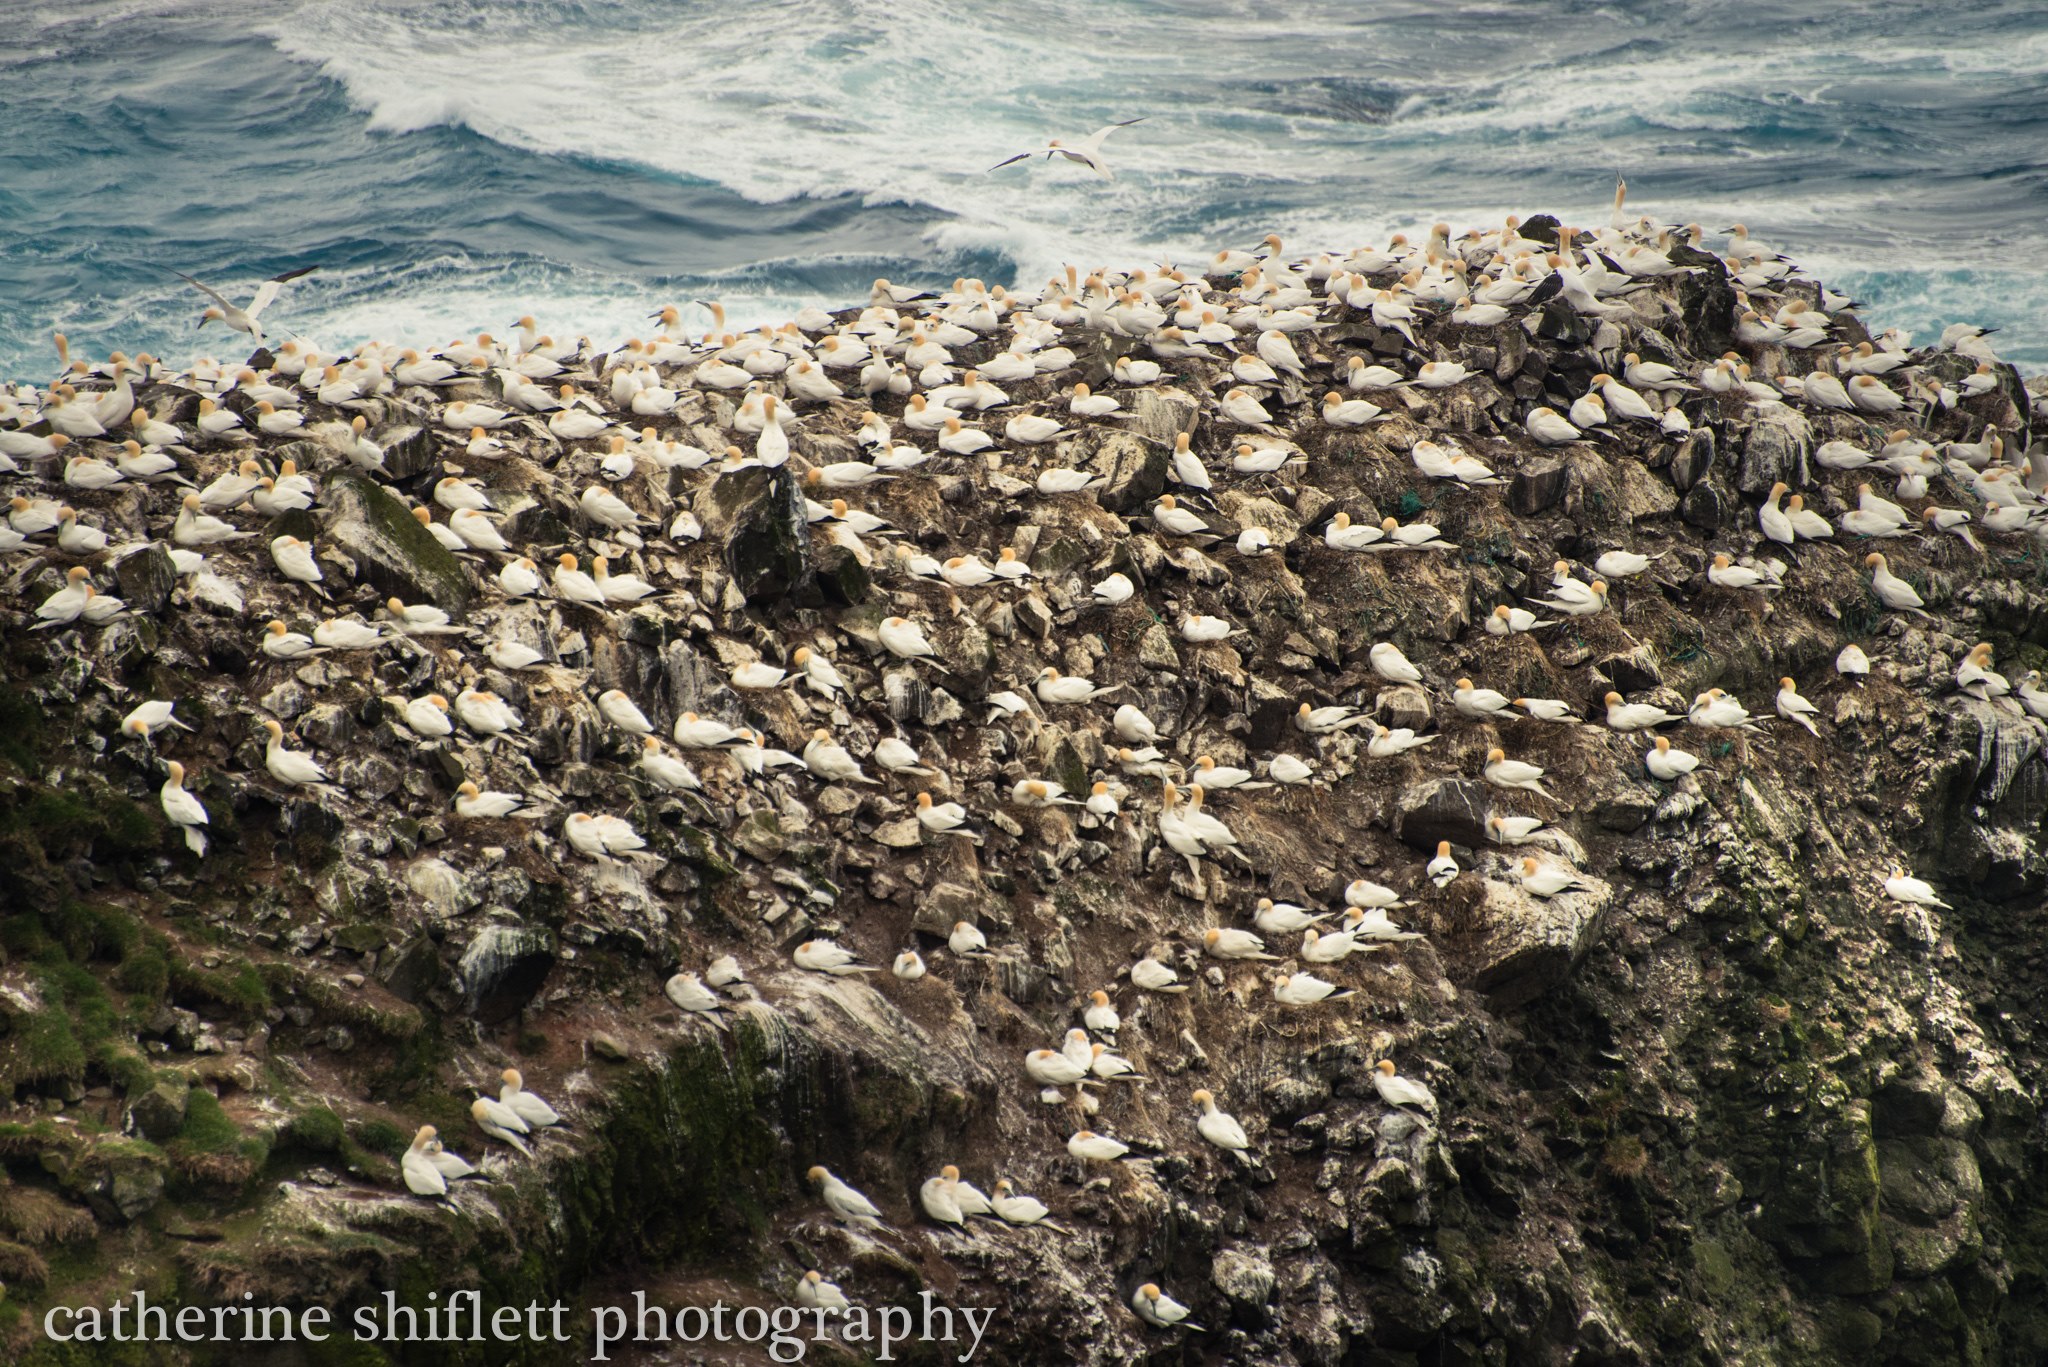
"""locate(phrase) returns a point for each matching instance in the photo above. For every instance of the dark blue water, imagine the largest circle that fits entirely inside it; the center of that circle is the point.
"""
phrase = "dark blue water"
(451, 166)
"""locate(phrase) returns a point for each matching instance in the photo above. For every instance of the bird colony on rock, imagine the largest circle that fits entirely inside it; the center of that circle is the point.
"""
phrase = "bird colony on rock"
(1034, 546)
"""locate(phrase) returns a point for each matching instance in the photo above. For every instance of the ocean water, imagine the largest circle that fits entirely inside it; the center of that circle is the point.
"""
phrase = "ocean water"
(450, 166)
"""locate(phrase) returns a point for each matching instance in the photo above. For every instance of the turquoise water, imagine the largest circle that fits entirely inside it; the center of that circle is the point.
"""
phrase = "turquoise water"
(452, 166)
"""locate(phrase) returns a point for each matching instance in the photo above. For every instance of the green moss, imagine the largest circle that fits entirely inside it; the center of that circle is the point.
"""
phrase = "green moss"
(126, 1069)
(317, 1129)
(207, 1128)
(381, 1136)
(235, 985)
(145, 972)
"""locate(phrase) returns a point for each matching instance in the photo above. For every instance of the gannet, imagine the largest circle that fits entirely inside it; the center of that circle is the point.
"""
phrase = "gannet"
(451, 1166)
(1160, 1310)
(1133, 726)
(500, 1122)
(1389, 663)
(1359, 375)
(1054, 480)
(1054, 687)
(1289, 769)
(621, 712)
(1852, 663)
(65, 605)
(755, 675)
(1170, 517)
(1342, 535)
(601, 837)
(819, 672)
(1512, 830)
(1669, 764)
(1508, 621)
(472, 803)
(1306, 989)
(1091, 1147)
(1372, 924)
(1087, 152)
(966, 940)
(814, 1292)
(1109, 1067)
(1578, 603)
(294, 560)
(1330, 946)
(1794, 708)
(149, 717)
(196, 528)
(1013, 1209)
(1153, 976)
(1975, 676)
(908, 966)
(843, 1201)
(1714, 709)
(1323, 721)
(1641, 716)
(427, 717)
(1901, 887)
(899, 757)
(825, 956)
(182, 809)
(1479, 702)
(421, 1177)
(513, 655)
(1387, 741)
(1052, 1068)
(1503, 772)
(943, 818)
(1396, 1090)
(1443, 869)
(831, 761)
(1892, 591)
(281, 644)
(243, 319)
(905, 639)
(1546, 880)
(1366, 894)
(1339, 411)
(1101, 1015)
(1218, 1127)
(484, 713)
(290, 767)
(970, 1198)
(936, 1198)
(1548, 428)
(1954, 521)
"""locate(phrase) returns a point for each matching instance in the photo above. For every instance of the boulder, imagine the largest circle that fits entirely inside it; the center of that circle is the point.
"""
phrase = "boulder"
(1528, 945)
(1133, 472)
(146, 578)
(1453, 809)
(760, 515)
(503, 969)
(159, 1111)
(392, 552)
(1539, 485)
(1774, 450)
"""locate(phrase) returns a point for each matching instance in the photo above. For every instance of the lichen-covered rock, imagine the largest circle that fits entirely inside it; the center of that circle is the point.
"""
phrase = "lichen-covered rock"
(391, 551)
(760, 517)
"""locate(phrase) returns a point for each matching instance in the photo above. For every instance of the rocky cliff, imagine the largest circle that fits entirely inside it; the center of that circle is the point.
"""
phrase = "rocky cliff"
(1725, 1102)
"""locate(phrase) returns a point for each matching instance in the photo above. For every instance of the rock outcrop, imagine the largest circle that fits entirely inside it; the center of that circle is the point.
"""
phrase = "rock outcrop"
(1725, 1102)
